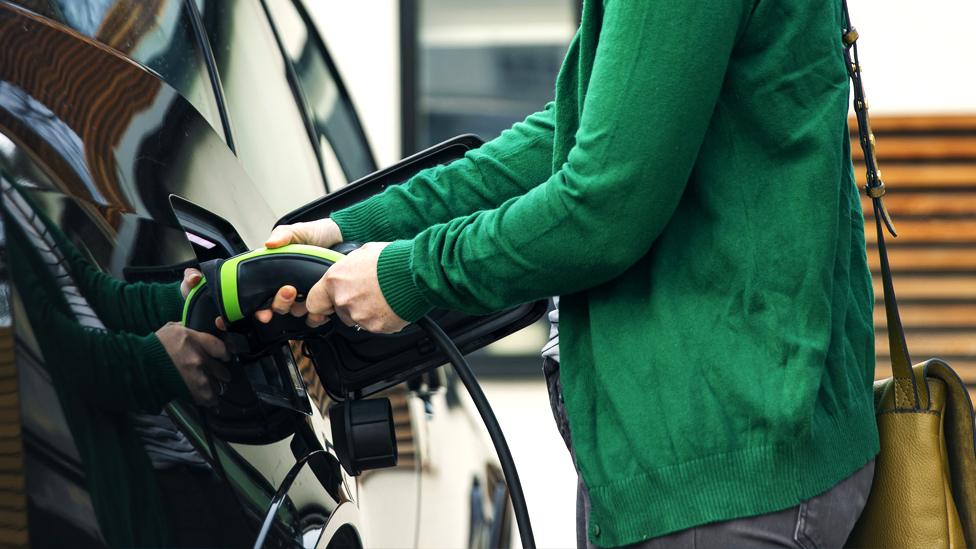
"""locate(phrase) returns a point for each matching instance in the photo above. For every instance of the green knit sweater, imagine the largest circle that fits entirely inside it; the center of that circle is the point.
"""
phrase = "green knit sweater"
(690, 196)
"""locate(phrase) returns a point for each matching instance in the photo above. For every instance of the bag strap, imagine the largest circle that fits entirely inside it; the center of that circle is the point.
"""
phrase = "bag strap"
(909, 392)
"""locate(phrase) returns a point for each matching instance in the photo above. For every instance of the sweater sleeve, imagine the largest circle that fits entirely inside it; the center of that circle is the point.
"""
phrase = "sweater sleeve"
(137, 307)
(507, 166)
(656, 76)
(116, 371)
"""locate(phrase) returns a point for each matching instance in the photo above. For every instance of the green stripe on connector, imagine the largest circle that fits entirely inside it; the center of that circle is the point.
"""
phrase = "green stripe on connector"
(228, 272)
(189, 297)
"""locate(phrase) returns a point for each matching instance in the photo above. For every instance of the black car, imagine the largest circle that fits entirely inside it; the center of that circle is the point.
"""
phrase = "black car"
(138, 138)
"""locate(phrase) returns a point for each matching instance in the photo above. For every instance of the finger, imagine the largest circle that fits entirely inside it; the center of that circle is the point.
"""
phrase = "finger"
(318, 301)
(192, 276)
(315, 321)
(283, 300)
(220, 324)
(211, 345)
(264, 316)
(280, 235)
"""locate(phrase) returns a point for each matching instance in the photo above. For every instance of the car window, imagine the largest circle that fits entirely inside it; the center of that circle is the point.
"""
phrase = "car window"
(269, 131)
(157, 34)
(336, 125)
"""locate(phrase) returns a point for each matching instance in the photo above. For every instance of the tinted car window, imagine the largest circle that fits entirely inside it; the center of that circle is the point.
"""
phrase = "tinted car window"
(155, 33)
(270, 133)
(333, 117)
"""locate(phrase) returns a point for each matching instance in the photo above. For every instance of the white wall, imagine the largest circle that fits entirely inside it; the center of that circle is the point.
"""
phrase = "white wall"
(918, 56)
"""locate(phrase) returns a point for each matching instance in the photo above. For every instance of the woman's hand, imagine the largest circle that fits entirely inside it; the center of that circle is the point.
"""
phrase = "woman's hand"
(351, 289)
(323, 233)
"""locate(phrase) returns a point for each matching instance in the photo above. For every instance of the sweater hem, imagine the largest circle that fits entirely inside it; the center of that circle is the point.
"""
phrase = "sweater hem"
(743, 483)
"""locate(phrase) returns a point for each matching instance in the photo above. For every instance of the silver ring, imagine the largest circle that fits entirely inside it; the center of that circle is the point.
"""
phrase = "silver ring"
(358, 328)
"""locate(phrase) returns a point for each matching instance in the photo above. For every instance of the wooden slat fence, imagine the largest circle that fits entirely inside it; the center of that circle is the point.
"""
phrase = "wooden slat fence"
(929, 166)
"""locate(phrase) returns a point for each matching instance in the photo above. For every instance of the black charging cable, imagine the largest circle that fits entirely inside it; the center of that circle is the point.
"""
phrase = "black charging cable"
(464, 372)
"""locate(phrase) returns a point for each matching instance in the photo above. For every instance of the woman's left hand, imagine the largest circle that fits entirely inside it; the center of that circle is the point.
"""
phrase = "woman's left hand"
(351, 288)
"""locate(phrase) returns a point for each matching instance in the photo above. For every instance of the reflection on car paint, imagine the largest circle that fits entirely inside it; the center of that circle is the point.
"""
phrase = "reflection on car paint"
(137, 142)
(96, 375)
(156, 33)
(32, 113)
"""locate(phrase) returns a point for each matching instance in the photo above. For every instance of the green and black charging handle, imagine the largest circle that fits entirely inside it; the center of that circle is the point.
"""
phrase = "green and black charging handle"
(236, 288)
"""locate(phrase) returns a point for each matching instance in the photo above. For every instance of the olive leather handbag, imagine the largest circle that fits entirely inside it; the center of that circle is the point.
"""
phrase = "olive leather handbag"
(924, 492)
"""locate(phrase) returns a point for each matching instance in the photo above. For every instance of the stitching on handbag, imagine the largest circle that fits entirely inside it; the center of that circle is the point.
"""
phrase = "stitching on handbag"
(902, 399)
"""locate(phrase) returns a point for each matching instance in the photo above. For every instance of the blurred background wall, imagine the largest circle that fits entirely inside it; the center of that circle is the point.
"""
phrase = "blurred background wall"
(421, 71)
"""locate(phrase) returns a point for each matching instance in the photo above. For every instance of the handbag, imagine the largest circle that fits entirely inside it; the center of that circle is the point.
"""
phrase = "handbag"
(924, 491)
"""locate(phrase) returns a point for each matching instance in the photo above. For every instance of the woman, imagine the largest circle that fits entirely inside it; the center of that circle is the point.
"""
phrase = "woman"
(689, 194)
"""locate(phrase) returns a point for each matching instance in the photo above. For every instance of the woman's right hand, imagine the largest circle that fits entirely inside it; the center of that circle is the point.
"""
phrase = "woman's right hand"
(323, 233)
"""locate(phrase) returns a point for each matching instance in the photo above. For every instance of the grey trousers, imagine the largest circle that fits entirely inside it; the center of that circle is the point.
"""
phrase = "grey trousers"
(824, 521)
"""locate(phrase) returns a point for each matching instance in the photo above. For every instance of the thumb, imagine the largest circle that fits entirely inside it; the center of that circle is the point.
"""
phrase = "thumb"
(281, 235)
(191, 277)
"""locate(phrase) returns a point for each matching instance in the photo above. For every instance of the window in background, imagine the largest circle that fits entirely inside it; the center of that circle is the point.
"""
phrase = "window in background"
(479, 67)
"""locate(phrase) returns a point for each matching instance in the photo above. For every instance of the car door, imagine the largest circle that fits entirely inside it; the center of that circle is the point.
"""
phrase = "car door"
(93, 154)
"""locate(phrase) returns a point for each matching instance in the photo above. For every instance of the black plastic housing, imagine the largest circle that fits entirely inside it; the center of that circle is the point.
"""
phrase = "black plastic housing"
(364, 434)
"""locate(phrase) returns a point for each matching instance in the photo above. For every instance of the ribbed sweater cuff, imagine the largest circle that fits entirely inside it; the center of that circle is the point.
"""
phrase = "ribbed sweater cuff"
(396, 281)
(170, 302)
(162, 373)
(365, 222)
